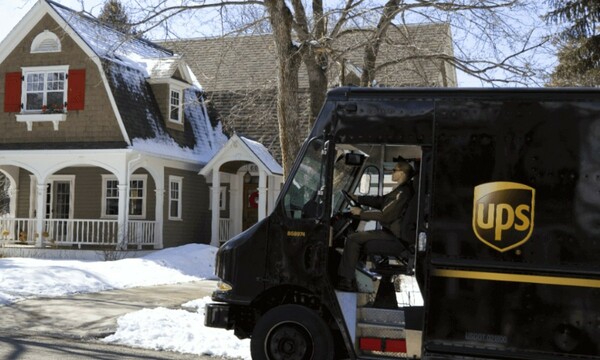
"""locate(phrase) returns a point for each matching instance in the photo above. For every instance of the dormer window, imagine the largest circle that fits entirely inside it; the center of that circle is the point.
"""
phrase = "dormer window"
(175, 106)
(45, 42)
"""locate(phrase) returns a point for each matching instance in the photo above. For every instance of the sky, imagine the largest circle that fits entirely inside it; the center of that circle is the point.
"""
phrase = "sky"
(13, 10)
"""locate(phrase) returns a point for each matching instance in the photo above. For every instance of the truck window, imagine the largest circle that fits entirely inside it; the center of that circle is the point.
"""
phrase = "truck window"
(302, 196)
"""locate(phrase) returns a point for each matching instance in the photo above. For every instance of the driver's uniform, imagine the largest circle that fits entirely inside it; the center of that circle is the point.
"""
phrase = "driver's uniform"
(388, 210)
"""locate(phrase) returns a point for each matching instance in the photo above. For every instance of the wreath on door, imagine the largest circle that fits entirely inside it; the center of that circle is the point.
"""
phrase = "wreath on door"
(253, 200)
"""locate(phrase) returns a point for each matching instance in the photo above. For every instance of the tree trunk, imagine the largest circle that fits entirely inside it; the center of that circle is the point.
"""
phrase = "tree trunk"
(288, 60)
(316, 65)
(372, 47)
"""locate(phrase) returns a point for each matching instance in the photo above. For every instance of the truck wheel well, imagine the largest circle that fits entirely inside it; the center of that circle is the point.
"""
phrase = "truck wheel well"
(283, 295)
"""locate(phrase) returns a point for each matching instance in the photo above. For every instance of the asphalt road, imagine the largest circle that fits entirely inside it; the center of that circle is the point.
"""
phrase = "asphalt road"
(69, 327)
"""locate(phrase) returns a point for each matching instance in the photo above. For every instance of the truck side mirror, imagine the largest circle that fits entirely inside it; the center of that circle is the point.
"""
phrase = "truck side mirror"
(353, 159)
(369, 181)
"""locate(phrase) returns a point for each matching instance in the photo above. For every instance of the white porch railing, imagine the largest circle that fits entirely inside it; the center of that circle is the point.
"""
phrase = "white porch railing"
(15, 230)
(141, 232)
(224, 230)
(68, 232)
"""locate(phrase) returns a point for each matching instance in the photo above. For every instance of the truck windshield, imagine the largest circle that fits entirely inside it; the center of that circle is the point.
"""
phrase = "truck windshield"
(302, 197)
(343, 177)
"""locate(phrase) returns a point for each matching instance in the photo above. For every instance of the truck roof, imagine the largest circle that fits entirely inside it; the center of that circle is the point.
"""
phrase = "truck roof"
(345, 93)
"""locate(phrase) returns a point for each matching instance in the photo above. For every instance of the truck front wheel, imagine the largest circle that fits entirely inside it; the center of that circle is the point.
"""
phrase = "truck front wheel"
(291, 332)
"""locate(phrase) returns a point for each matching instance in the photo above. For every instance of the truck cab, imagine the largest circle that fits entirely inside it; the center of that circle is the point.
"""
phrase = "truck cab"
(488, 266)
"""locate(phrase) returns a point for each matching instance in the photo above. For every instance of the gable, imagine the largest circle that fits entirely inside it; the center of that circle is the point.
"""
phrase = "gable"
(88, 119)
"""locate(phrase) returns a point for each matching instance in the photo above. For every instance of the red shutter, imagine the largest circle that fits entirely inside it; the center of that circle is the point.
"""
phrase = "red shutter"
(76, 94)
(12, 95)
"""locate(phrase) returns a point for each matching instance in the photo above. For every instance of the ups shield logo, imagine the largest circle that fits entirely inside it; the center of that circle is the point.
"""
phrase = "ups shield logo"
(503, 214)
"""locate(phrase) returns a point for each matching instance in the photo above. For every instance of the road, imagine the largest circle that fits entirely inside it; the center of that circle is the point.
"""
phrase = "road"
(70, 327)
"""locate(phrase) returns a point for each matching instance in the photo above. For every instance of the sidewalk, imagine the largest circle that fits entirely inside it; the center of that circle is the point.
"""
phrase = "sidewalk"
(93, 315)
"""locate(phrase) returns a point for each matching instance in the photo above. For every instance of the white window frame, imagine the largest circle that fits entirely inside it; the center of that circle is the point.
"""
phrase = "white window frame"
(222, 198)
(139, 177)
(179, 181)
(43, 70)
(179, 91)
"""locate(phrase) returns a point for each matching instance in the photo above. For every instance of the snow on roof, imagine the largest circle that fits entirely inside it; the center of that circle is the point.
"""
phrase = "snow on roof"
(112, 44)
(263, 154)
(105, 40)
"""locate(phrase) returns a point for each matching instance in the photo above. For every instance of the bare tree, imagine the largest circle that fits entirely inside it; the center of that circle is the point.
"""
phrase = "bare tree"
(493, 40)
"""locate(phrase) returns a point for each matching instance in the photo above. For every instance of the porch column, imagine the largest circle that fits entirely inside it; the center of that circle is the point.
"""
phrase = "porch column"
(40, 214)
(13, 192)
(262, 194)
(216, 189)
(235, 207)
(158, 228)
(122, 218)
(270, 194)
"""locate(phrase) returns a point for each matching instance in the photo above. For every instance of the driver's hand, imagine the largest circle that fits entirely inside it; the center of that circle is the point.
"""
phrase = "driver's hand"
(355, 210)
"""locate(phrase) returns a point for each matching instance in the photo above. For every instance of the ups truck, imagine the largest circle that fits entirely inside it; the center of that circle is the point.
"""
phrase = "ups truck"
(503, 232)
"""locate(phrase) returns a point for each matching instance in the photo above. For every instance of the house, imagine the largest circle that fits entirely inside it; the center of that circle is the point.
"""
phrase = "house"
(102, 137)
(238, 75)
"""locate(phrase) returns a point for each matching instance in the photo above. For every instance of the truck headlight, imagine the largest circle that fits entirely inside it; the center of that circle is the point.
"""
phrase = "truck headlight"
(223, 286)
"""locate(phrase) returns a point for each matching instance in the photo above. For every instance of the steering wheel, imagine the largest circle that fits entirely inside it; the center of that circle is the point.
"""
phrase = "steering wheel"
(350, 200)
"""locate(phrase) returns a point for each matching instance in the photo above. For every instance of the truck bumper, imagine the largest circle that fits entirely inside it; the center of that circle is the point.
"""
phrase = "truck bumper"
(218, 316)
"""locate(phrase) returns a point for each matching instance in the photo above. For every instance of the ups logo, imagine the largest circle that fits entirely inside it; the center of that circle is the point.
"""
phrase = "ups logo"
(503, 214)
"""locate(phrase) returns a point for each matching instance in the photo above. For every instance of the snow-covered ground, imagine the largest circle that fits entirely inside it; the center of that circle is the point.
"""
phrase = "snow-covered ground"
(159, 328)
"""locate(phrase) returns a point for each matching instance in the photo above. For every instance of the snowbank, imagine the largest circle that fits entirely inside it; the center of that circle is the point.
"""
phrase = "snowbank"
(22, 278)
(178, 330)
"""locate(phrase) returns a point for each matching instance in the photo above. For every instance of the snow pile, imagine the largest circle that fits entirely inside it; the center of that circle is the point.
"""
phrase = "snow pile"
(178, 330)
(22, 278)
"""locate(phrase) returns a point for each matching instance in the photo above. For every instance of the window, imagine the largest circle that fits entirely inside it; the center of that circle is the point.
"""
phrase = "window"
(175, 189)
(45, 89)
(175, 113)
(137, 196)
(303, 197)
(111, 199)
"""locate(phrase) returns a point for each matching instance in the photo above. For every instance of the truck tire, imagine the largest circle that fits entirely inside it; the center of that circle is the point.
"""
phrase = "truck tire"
(291, 332)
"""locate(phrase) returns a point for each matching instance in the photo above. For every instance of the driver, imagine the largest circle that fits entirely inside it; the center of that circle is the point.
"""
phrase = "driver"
(388, 210)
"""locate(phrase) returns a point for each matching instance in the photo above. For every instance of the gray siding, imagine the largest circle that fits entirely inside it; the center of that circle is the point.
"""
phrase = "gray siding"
(194, 227)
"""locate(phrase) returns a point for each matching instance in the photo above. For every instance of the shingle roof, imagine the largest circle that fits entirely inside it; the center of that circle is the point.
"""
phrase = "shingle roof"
(230, 63)
(411, 49)
(249, 62)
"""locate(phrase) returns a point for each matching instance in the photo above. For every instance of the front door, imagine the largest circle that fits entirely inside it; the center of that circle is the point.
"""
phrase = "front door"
(58, 200)
(250, 212)
(58, 207)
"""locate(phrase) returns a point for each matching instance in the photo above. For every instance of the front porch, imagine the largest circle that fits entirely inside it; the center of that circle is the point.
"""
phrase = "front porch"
(101, 199)
(77, 233)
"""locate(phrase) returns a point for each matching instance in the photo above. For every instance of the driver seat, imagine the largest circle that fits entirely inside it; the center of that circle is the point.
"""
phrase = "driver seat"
(393, 258)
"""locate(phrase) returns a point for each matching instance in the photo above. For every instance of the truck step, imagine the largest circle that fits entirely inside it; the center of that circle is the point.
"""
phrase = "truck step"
(380, 331)
(392, 317)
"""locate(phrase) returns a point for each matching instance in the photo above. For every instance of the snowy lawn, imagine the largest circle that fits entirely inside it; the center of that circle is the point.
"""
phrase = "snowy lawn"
(22, 278)
(159, 328)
